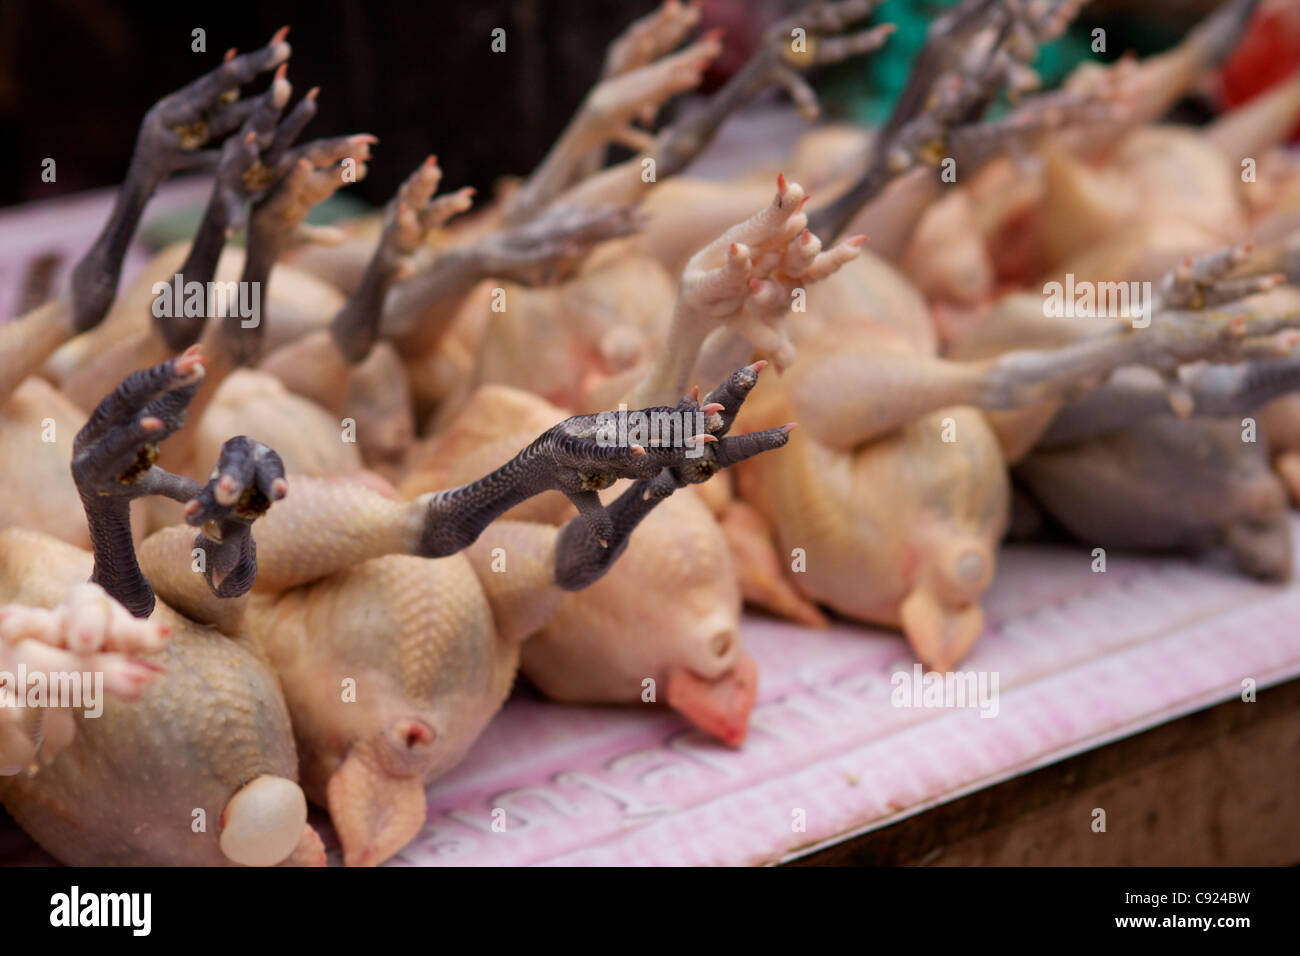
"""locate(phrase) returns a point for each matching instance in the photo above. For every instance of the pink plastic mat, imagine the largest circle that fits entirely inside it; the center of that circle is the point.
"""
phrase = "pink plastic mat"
(65, 227)
(1081, 659)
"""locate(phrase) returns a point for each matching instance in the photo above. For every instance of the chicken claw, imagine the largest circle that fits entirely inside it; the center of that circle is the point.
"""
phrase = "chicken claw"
(302, 178)
(249, 476)
(587, 453)
(749, 275)
(410, 217)
(170, 139)
(243, 176)
(113, 463)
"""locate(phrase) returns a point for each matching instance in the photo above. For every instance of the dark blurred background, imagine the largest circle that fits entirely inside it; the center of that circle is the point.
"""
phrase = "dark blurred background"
(77, 75)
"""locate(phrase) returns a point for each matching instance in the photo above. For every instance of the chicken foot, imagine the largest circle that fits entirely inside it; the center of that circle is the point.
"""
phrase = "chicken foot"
(112, 465)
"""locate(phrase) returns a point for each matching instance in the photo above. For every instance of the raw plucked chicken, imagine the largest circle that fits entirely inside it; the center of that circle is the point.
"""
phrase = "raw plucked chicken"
(421, 488)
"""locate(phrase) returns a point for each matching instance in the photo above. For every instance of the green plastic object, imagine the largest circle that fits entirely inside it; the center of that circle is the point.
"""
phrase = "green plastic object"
(864, 90)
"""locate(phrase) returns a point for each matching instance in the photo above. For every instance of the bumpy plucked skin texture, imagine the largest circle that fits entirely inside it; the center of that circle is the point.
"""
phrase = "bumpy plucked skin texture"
(561, 342)
(902, 517)
(699, 650)
(337, 599)
(907, 517)
(671, 602)
(417, 637)
(256, 404)
(443, 668)
(86, 631)
(39, 491)
(214, 722)
(1130, 212)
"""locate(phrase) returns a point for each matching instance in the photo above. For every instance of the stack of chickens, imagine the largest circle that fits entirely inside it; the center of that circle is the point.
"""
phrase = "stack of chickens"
(426, 493)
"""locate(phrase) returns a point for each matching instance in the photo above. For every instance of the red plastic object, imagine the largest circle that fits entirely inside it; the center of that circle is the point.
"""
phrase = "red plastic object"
(1267, 54)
